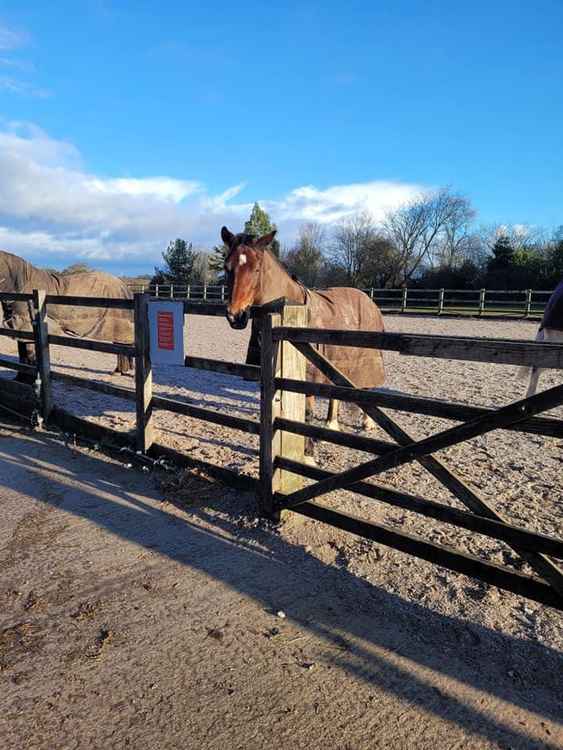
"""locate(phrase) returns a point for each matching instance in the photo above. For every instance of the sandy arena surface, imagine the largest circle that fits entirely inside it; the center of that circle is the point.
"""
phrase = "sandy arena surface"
(139, 612)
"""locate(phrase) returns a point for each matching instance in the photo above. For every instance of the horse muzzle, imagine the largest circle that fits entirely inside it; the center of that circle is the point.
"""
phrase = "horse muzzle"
(239, 320)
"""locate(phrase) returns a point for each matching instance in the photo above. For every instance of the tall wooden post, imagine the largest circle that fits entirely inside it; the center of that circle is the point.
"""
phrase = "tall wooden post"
(42, 356)
(280, 362)
(268, 357)
(143, 374)
(171, 291)
(481, 301)
(291, 364)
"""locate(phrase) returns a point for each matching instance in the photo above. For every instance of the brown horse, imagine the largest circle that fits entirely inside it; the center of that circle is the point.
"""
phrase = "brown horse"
(256, 277)
(17, 275)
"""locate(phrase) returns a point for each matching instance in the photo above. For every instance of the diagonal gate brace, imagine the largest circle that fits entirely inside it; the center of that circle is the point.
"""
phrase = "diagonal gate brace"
(409, 450)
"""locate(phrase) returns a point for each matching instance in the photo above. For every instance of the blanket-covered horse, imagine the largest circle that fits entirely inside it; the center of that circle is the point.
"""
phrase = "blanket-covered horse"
(17, 275)
(550, 330)
(256, 277)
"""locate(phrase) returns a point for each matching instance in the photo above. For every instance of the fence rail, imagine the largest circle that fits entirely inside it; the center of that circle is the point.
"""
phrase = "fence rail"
(528, 303)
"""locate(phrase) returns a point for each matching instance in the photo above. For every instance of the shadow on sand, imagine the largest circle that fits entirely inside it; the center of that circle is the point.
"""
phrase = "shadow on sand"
(331, 603)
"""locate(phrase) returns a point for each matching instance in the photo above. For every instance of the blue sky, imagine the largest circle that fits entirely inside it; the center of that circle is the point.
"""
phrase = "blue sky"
(124, 124)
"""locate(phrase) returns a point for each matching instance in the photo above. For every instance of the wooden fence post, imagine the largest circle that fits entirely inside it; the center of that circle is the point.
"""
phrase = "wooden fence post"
(291, 364)
(188, 292)
(404, 300)
(223, 293)
(268, 437)
(143, 374)
(42, 355)
(482, 301)
(277, 362)
(528, 308)
(441, 302)
(171, 291)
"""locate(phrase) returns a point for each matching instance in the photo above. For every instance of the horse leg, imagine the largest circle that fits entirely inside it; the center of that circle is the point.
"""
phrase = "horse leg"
(309, 445)
(549, 335)
(124, 364)
(533, 382)
(533, 372)
(367, 422)
(332, 416)
(26, 354)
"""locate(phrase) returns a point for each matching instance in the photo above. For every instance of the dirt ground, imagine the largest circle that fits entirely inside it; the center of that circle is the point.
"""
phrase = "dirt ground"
(141, 611)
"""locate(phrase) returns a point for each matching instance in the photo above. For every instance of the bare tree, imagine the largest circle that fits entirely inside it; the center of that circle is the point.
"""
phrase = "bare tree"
(305, 258)
(456, 242)
(202, 273)
(382, 267)
(418, 229)
(350, 246)
(521, 236)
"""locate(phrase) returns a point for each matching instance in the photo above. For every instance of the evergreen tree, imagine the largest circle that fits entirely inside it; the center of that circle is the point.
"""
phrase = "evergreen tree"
(503, 253)
(217, 262)
(500, 265)
(179, 259)
(258, 224)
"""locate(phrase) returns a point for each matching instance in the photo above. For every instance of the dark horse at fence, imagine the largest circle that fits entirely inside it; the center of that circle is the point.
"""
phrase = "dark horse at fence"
(256, 277)
(550, 330)
(102, 324)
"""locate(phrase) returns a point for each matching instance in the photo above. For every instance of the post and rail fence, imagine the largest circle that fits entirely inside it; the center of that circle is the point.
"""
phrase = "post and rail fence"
(497, 303)
(284, 477)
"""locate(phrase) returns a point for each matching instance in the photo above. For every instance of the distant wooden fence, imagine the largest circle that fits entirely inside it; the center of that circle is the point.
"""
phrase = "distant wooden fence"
(287, 346)
(527, 303)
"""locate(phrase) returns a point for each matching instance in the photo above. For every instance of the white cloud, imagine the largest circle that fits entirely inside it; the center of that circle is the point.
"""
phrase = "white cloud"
(53, 211)
(25, 66)
(23, 88)
(11, 39)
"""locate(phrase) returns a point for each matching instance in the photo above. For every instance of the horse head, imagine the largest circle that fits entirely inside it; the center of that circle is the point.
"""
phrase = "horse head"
(243, 269)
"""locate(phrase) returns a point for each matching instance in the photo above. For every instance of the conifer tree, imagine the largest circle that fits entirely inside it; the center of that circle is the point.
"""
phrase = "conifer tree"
(179, 259)
(258, 224)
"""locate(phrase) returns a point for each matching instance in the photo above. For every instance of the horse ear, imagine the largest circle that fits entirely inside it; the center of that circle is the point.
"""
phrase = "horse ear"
(227, 236)
(262, 242)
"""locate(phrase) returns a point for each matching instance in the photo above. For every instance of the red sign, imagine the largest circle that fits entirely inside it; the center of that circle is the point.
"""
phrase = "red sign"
(165, 330)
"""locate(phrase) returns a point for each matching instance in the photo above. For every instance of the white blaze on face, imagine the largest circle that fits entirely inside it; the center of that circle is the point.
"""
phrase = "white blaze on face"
(241, 259)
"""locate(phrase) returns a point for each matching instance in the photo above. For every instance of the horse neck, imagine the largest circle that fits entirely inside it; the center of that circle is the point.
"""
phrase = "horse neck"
(275, 282)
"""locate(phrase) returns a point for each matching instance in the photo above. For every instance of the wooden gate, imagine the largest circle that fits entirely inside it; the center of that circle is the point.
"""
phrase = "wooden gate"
(536, 549)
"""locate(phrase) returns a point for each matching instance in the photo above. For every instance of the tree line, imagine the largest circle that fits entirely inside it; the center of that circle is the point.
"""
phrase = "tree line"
(432, 242)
